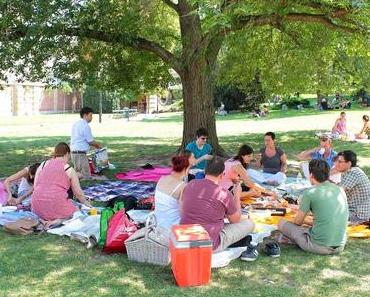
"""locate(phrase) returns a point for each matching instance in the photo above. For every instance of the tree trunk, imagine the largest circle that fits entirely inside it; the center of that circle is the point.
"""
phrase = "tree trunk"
(199, 111)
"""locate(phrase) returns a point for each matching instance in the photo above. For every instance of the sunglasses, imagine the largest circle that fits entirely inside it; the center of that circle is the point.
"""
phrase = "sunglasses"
(204, 138)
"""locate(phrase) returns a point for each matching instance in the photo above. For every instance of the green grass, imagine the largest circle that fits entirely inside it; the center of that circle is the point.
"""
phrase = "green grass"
(48, 265)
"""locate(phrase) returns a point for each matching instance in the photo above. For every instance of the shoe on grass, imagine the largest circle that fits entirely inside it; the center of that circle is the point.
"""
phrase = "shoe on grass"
(272, 249)
(250, 254)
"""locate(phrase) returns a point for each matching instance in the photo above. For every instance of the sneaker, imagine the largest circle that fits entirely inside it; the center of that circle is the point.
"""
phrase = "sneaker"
(250, 254)
(272, 249)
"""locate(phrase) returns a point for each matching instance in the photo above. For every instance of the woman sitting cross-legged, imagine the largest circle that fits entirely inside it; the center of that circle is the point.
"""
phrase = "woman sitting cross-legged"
(168, 193)
(53, 180)
(273, 161)
(235, 170)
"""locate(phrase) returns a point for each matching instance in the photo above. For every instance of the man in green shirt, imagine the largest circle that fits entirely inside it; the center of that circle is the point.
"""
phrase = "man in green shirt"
(328, 205)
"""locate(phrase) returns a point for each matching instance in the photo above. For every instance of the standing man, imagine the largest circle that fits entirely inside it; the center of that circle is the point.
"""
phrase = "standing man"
(200, 149)
(81, 140)
(356, 184)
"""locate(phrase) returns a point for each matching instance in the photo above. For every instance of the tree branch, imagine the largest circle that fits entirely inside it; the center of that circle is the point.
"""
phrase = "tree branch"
(134, 42)
(276, 20)
(171, 4)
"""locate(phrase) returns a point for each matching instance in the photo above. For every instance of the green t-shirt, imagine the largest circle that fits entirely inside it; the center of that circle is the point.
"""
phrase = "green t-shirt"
(328, 204)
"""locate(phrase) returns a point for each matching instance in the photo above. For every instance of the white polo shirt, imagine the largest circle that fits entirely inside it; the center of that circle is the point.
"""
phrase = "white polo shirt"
(81, 136)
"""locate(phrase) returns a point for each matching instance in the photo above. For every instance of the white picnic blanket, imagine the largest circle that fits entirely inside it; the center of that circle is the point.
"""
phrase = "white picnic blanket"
(222, 259)
(81, 227)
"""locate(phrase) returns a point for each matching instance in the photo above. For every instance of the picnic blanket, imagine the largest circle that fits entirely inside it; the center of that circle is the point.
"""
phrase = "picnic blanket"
(148, 175)
(81, 227)
(223, 258)
(112, 189)
(12, 216)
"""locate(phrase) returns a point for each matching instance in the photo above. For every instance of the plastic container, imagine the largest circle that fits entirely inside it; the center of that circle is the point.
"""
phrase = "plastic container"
(191, 254)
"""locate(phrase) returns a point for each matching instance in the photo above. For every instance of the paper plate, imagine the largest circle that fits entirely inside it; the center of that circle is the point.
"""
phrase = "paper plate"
(9, 208)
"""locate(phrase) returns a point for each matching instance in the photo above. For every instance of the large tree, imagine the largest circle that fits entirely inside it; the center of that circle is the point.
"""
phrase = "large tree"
(55, 37)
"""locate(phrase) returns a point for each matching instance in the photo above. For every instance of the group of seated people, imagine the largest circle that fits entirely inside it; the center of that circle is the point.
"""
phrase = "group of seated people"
(340, 127)
(210, 198)
(47, 186)
(327, 206)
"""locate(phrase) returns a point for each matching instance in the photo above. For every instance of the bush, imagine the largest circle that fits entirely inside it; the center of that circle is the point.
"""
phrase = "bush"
(293, 102)
(232, 97)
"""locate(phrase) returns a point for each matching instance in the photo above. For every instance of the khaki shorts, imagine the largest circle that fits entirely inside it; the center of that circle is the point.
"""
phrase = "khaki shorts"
(232, 233)
(301, 237)
(81, 164)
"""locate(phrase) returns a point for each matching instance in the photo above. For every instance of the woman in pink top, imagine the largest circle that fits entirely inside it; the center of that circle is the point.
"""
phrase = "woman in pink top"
(53, 179)
(235, 171)
(340, 126)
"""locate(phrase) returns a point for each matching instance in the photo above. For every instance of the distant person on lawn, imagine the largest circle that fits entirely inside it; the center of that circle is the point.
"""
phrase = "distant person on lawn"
(365, 131)
(328, 205)
(81, 140)
(356, 184)
(206, 203)
(200, 149)
(26, 176)
(52, 181)
(340, 125)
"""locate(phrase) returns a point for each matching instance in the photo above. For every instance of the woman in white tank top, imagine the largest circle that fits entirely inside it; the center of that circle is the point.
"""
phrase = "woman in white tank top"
(168, 193)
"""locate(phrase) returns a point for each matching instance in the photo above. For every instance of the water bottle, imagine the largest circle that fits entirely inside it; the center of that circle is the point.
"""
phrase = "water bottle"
(299, 178)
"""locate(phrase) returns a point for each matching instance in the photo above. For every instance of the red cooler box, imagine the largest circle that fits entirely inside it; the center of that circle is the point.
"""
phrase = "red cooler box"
(191, 254)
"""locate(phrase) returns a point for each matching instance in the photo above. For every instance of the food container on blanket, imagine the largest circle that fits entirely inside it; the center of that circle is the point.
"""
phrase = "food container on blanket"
(100, 160)
(191, 254)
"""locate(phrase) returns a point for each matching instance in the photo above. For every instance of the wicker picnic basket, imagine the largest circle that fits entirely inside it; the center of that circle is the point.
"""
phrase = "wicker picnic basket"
(149, 244)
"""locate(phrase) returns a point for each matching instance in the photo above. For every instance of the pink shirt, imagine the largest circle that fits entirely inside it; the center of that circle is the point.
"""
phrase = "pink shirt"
(229, 174)
(207, 204)
(50, 199)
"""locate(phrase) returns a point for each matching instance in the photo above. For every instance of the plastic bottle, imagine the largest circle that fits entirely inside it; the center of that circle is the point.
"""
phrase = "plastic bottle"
(299, 178)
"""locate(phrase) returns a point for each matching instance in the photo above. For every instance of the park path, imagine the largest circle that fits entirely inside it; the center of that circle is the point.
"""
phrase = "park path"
(60, 125)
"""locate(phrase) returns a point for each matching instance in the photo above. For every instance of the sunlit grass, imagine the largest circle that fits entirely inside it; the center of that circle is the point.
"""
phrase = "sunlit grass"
(48, 265)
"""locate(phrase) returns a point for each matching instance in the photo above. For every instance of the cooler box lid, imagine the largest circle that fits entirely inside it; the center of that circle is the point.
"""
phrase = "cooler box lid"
(187, 236)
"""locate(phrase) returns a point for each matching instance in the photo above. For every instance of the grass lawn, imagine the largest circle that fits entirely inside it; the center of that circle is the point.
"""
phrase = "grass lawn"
(47, 265)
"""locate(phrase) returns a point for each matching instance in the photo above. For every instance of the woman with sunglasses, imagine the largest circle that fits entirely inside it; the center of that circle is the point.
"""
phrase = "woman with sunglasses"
(200, 149)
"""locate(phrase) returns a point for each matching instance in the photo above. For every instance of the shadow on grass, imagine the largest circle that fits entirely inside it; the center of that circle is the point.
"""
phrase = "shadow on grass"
(49, 265)
(130, 152)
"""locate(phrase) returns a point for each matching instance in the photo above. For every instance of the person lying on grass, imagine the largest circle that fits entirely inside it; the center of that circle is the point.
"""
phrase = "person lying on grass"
(26, 177)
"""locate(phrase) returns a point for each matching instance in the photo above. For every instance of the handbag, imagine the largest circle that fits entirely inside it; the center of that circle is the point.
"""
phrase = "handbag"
(23, 226)
(119, 229)
(105, 216)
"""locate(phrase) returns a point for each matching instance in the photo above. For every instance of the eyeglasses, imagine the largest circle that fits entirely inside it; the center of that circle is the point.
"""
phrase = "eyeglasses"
(204, 138)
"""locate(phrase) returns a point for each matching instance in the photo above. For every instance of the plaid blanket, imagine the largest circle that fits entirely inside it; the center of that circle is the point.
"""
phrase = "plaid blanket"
(112, 189)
